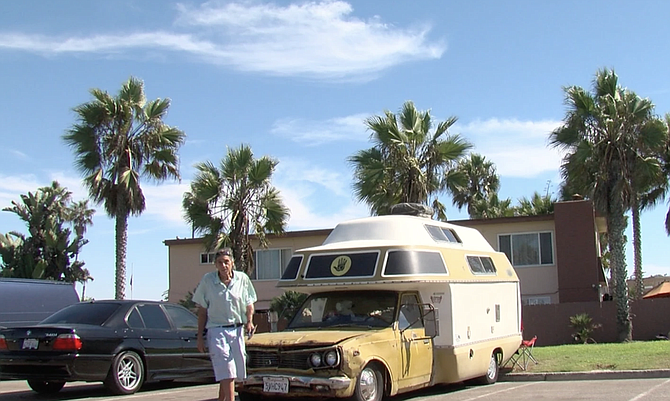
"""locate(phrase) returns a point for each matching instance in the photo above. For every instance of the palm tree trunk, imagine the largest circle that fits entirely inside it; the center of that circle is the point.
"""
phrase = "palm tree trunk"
(121, 243)
(637, 249)
(616, 224)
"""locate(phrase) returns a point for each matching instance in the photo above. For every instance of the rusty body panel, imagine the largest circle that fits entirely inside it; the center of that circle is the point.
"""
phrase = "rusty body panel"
(403, 300)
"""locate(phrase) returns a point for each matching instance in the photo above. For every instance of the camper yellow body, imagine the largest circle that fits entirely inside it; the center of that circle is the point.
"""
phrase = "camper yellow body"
(396, 303)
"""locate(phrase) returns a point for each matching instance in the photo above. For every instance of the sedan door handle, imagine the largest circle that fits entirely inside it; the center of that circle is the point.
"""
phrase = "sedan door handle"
(187, 338)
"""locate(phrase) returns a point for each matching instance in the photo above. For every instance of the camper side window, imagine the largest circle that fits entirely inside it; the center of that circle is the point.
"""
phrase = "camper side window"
(410, 312)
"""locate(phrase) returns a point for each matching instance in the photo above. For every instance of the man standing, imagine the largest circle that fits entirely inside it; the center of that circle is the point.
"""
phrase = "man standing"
(225, 299)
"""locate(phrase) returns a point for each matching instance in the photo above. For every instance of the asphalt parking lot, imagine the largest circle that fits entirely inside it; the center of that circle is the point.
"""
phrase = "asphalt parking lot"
(650, 389)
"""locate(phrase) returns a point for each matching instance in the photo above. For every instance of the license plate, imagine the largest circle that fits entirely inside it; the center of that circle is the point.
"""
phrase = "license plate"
(30, 343)
(275, 385)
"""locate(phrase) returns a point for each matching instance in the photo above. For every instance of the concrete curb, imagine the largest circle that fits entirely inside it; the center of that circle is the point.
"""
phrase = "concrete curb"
(591, 375)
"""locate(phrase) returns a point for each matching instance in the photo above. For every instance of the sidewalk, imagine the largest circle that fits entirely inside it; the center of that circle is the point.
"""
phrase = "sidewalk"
(592, 375)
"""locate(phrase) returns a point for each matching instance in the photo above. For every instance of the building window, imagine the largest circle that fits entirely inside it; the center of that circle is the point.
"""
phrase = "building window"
(528, 249)
(207, 258)
(271, 263)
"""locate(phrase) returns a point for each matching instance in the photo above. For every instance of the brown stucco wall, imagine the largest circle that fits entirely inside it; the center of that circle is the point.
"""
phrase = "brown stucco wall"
(551, 323)
(576, 251)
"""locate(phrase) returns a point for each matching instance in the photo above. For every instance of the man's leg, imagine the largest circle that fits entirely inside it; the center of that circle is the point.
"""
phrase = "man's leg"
(227, 390)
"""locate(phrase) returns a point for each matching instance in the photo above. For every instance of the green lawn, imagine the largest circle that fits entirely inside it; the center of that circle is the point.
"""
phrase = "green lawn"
(579, 357)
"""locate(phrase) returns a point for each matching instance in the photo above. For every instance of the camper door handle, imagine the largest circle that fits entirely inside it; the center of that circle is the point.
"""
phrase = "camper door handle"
(426, 341)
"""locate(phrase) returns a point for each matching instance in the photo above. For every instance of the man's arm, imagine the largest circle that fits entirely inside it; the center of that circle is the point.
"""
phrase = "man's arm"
(202, 322)
(250, 320)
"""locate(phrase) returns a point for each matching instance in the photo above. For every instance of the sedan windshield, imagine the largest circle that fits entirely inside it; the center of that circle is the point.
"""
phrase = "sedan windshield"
(83, 313)
(346, 308)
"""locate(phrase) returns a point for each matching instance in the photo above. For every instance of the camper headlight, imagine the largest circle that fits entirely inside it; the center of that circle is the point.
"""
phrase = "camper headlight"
(332, 358)
(315, 359)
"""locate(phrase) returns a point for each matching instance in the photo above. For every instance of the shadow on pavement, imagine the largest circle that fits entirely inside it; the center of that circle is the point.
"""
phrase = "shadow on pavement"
(16, 390)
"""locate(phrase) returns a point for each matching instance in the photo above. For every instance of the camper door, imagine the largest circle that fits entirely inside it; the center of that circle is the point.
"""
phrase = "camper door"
(415, 347)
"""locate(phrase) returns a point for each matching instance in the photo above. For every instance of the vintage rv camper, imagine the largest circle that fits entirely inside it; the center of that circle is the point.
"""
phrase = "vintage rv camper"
(396, 303)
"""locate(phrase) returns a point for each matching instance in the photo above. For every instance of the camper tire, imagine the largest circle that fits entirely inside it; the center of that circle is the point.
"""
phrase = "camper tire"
(491, 375)
(369, 384)
(45, 386)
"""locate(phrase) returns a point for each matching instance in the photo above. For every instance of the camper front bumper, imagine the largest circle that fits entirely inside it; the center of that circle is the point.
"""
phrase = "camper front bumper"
(336, 386)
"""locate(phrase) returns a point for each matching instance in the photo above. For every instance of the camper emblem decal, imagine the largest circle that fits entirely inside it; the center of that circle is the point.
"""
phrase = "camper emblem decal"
(341, 265)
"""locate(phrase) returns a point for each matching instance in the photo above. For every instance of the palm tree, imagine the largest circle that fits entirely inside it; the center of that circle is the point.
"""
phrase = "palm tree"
(536, 205)
(408, 163)
(492, 207)
(117, 140)
(609, 134)
(473, 179)
(229, 203)
(50, 216)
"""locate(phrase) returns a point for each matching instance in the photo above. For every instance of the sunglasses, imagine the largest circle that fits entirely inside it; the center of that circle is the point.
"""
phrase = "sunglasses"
(224, 252)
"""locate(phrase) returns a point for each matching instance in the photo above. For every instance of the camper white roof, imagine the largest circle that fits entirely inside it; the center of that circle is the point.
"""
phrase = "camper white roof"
(402, 230)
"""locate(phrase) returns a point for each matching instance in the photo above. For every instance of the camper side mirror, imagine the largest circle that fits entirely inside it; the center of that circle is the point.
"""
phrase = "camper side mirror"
(430, 321)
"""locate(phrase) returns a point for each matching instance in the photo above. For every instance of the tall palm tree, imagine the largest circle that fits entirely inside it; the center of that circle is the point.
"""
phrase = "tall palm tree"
(609, 134)
(230, 203)
(408, 163)
(536, 205)
(473, 179)
(118, 140)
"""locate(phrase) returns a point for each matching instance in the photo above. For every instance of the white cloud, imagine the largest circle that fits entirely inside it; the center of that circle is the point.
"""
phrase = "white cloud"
(518, 148)
(313, 39)
(317, 132)
(305, 174)
(164, 202)
(19, 155)
(304, 217)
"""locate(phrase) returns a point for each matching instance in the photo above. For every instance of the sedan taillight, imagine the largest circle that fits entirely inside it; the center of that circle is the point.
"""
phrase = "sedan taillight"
(67, 342)
(3, 343)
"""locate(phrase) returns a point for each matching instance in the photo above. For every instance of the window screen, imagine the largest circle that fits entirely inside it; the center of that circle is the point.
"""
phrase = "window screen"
(291, 271)
(414, 262)
(342, 265)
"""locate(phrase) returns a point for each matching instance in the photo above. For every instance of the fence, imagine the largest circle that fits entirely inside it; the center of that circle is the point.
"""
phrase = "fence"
(551, 323)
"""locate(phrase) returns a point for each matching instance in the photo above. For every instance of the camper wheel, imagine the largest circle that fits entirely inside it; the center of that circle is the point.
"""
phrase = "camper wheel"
(45, 386)
(369, 384)
(492, 373)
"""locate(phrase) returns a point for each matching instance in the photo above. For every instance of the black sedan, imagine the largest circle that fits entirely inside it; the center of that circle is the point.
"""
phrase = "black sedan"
(121, 343)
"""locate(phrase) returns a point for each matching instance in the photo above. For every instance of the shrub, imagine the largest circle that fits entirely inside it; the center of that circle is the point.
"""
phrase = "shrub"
(584, 326)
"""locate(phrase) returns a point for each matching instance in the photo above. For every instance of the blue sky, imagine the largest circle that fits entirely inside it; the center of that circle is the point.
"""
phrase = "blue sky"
(294, 80)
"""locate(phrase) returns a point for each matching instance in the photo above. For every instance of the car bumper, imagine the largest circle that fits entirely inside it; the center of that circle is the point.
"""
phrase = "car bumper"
(62, 367)
(308, 386)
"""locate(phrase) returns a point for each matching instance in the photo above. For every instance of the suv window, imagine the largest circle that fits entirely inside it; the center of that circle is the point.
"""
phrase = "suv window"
(135, 320)
(83, 313)
(182, 319)
(153, 317)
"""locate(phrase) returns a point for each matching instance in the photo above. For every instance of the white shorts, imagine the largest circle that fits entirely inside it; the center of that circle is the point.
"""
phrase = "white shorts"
(227, 352)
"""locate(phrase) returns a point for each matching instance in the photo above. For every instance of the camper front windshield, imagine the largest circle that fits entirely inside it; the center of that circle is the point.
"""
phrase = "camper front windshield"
(346, 308)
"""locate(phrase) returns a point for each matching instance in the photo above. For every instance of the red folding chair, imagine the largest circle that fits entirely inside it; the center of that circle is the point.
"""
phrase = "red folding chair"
(524, 354)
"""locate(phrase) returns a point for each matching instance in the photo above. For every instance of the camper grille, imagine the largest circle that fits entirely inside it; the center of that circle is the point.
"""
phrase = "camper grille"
(274, 359)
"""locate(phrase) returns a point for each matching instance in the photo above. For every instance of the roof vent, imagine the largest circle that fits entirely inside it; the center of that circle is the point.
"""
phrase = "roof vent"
(412, 209)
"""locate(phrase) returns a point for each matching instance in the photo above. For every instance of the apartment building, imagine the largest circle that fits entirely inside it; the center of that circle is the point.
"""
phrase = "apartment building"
(557, 256)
